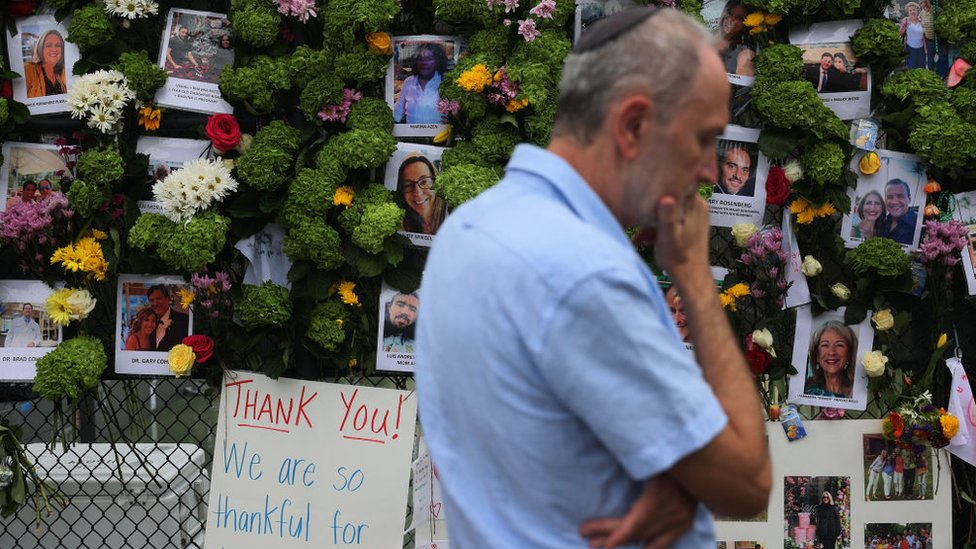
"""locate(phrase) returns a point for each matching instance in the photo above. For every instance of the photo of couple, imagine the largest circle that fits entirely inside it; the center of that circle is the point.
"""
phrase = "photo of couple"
(887, 203)
(835, 71)
(151, 320)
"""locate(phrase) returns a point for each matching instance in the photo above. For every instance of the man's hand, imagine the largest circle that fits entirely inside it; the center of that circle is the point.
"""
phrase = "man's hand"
(682, 234)
(663, 513)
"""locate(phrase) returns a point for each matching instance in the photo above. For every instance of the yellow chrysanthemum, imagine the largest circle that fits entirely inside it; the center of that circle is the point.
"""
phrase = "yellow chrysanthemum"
(96, 234)
(772, 18)
(826, 210)
(343, 196)
(950, 425)
(353, 363)
(515, 105)
(346, 293)
(475, 79)
(757, 30)
(755, 19)
(58, 308)
(186, 298)
(739, 290)
(149, 118)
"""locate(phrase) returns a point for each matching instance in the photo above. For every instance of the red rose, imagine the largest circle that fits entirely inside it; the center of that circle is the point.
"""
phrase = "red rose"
(757, 358)
(202, 346)
(224, 132)
(20, 8)
(6, 90)
(777, 186)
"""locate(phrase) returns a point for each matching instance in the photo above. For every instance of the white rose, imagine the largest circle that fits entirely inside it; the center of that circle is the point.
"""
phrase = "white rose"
(793, 171)
(874, 363)
(842, 292)
(81, 303)
(811, 267)
(742, 232)
(883, 320)
(764, 339)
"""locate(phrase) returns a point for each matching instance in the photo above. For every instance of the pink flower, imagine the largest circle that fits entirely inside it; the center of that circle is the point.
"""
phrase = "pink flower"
(527, 29)
(448, 107)
(544, 9)
(302, 9)
(510, 5)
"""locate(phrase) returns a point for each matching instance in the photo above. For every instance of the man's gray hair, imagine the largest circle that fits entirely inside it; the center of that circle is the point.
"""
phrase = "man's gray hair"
(659, 56)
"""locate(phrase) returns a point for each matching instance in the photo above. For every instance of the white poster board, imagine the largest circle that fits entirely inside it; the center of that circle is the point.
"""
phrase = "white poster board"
(309, 464)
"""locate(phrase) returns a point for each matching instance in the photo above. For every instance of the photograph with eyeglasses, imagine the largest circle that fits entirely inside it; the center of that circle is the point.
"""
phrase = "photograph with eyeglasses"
(412, 174)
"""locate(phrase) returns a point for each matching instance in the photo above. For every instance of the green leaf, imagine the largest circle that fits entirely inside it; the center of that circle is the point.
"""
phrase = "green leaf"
(965, 495)
(393, 250)
(18, 112)
(404, 278)
(274, 366)
(777, 143)
(299, 270)
(366, 263)
(246, 205)
(854, 313)
(270, 202)
(839, 199)
(318, 284)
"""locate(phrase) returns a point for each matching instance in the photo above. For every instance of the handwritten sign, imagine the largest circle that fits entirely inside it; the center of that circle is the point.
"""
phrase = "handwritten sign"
(308, 464)
(428, 505)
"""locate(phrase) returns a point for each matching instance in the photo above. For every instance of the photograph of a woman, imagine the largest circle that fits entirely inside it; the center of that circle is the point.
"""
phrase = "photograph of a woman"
(913, 35)
(417, 100)
(833, 349)
(848, 76)
(736, 49)
(418, 196)
(870, 211)
(142, 331)
(828, 522)
(44, 70)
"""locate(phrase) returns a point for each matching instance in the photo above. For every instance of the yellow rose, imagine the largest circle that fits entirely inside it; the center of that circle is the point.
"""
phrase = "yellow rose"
(755, 19)
(883, 320)
(764, 339)
(811, 267)
(842, 292)
(874, 363)
(742, 232)
(181, 359)
(869, 163)
(379, 43)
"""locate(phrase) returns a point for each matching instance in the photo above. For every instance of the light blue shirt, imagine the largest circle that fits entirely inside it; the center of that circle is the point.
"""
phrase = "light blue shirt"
(419, 103)
(551, 379)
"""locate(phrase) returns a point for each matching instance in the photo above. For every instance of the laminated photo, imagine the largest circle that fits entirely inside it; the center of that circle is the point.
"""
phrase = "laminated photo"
(817, 510)
(827, 355)
(395, 343)
(895, 473)
(150, 321)
(31, 172)
(739, 195)
(922, 45)
(888, 203)
(966, 214)
(726, 19)
(411, 173)
(40, 53)
(412, 82)
(195, 48)
(829, 63)
(167, 154)
(26, 330)
(591, 11)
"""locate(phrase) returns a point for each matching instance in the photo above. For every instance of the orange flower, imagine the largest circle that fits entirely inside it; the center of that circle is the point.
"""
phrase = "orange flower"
(932, 211)
(379, 43)
(149, 118)
(932, 187)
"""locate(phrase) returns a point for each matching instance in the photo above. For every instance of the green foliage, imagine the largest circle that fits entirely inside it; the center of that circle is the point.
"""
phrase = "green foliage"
(257, 84)
(344, 18)
(306, 63)
(90, 26)
(378, 222)
(919, 85)
(75, 364)
(536, 81)
(373, 194)
(957, 20)
(463, 152)
(359, 65)
(943, 138)
(963, 100)
(266, 304)
(85, 197)
(310, 195)
(878, 40)
(462, 182)
(795, 105)
(779, 63)
(494, 139)
(462, 12)
(881, 256)
(266, 163)
(142, 75)
(327, 327)
(360, 148)
(101, 167)
(321, 91)
(370, 113)
(490, 45)
(4, 110)
(256, 24)
(187, 246)
(550, 49)
(315, 240)
(538, 125)
(968, 51)
(823, 162)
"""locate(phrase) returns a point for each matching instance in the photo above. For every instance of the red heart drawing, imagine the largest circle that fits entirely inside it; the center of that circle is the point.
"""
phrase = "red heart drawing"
(435, 509)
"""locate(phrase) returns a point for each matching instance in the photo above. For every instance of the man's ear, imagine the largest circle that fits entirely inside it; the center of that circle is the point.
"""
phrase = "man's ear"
(631, 121)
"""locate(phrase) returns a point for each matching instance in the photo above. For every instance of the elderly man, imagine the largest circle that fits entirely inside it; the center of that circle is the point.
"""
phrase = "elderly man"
(559, 403)
(24, 331)
(900, 220)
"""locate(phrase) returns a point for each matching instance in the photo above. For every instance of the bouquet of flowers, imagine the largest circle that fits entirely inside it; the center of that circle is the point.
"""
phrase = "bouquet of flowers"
(918, 424)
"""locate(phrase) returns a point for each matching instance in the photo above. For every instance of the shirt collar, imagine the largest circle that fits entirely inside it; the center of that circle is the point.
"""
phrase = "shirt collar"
(570, 185)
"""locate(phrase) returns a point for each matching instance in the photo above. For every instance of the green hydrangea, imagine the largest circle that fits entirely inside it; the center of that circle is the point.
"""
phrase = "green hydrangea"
(463, 182)
(379, 222)
(307, 63)
(956, 21)
(550, 49)
(881, 256)
(878, 39)
(463, 152)
(4, 110)
(359, 65)
(279, 134)
(73, 365)
(941, 137)
(264, 167)
(565, 9)
(89, 27)
(85, 197)
(795, 105)
(258, 84)
(256, 25)
(462, 12)
(327, 327)
(494, 139)
(919, 85)
(101, 167)
(321, 91)
(313, 239)
(360, 148)
(963, 100)
(310, 195)
(372, 194)
(823, 162)
(189, 246)
(266, 304)
(968, 51)
(143, 76)
(344, 18)
(536, 81)
(490, 45)
(779, 63)
(538, 125)
(370, 113)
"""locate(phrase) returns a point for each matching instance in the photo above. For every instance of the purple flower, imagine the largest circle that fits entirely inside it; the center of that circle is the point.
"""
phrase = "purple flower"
(302, 9)
(448, 107)
(527, 29)
(544, 9)
(510, 5)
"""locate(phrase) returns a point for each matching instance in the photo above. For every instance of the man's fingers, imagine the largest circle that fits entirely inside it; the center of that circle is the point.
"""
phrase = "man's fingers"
(597, 530)
(627, 531)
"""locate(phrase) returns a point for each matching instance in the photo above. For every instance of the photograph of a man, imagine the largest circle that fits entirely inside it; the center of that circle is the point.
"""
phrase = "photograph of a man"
(23, 331)
(824, 76)
(172, 325)
(399, 324)
(899, 223)
(736, 175)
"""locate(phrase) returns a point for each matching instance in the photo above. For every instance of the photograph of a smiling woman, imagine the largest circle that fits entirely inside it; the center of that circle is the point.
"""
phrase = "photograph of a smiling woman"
(833, 349)
(412, 174)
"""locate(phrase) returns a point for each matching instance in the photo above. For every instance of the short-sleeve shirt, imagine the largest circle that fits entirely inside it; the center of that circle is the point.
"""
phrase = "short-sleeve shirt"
(551, 379)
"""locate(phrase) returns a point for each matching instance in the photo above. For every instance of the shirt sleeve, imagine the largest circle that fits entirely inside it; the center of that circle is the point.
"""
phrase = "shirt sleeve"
(400, 104)
(611, 355)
